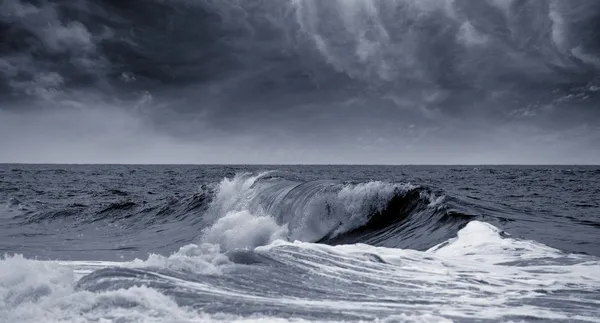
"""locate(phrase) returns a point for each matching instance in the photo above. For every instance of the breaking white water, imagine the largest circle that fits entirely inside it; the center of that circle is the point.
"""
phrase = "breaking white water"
(482, 275)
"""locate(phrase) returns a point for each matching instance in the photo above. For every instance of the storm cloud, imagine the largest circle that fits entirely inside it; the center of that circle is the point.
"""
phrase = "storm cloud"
(300, 81)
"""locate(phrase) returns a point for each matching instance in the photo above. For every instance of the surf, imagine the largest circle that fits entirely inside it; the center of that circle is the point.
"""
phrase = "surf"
(454, 281)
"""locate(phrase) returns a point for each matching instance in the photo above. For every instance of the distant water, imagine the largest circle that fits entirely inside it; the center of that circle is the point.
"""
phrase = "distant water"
(299, 243)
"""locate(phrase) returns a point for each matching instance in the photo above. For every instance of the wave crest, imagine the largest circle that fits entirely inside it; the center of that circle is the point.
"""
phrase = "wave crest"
(252, 210)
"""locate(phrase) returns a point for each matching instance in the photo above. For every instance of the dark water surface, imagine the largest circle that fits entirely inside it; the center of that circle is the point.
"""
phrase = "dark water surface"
(315, 242)
(85, 212)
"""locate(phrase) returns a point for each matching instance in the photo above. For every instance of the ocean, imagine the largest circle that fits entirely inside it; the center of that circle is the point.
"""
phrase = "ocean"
(129, 243)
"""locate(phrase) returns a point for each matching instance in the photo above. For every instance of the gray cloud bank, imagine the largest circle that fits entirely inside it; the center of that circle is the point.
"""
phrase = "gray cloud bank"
(304, 81)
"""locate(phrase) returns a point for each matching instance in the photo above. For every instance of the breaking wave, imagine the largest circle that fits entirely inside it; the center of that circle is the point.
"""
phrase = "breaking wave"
(454, 281)
(279, 246)
(250, 210)
(257, 209)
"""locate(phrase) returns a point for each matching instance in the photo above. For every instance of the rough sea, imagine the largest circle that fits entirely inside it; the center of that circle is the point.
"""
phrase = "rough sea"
(116, 243)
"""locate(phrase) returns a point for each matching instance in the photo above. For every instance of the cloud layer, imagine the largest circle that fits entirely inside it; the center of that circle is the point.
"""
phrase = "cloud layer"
(303, 81)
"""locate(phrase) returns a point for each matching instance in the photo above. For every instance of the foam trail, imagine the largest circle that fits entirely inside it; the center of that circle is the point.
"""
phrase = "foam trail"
(479, 275)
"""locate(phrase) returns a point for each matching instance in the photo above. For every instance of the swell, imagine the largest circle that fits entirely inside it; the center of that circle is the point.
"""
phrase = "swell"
(259, 209)
(135, 212)
(102, 226)
(250, 210)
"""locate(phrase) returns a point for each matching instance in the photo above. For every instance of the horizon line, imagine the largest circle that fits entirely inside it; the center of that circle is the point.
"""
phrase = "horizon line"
(278, 164)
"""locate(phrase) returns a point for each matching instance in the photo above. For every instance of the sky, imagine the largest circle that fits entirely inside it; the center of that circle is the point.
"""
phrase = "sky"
(300, 82)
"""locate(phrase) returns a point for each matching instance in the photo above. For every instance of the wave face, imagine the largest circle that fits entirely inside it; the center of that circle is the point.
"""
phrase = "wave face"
(254, 210)
(243, 47)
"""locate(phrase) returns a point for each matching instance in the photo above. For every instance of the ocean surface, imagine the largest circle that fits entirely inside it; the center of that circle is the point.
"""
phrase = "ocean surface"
(119, 243)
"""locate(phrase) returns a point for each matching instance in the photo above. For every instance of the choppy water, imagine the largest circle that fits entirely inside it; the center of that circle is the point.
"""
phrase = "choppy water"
(299, 243)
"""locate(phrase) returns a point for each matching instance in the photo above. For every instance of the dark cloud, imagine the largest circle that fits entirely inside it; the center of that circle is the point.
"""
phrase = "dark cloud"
(306, 81)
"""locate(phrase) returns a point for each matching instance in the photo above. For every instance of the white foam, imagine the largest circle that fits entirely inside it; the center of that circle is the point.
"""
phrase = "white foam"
(242, 229)
(234, 194)
(392, 319)
(477, 276)
(483, 241)
(200, 259)
(36, 291)
(238, 222)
